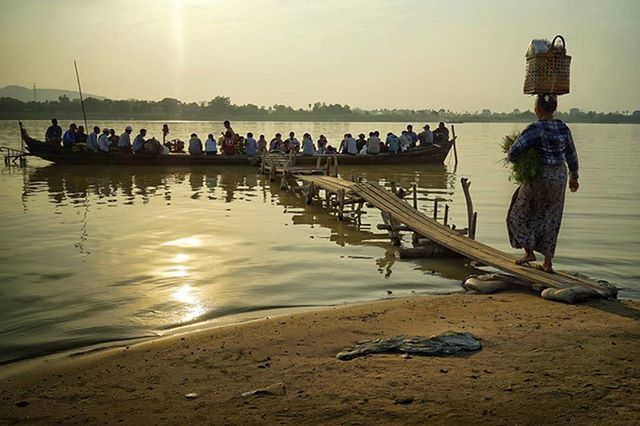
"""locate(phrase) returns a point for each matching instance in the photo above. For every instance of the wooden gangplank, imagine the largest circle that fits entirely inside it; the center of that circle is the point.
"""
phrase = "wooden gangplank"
(402, 212)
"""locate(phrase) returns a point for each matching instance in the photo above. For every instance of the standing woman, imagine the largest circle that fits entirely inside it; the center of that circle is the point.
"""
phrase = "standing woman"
(535, 214)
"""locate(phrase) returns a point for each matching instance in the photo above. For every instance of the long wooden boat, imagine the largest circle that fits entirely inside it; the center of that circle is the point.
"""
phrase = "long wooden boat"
(435, 153)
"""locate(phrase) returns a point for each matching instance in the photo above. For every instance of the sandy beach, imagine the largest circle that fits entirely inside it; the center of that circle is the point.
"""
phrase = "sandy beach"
(541, 363)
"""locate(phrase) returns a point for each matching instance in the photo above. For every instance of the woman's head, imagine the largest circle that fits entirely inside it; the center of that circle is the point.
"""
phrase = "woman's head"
(546, 105)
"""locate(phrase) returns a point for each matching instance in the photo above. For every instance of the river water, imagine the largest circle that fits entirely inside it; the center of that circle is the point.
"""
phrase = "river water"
(91, 254)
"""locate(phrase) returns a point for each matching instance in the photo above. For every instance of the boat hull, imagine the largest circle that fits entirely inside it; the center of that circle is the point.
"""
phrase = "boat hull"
(422, 155)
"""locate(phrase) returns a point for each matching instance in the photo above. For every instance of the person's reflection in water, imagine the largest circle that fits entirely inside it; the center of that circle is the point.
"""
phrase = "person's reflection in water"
(147, 184)
(229, 181)
(195, 180)
(385, 263)
(211, 182)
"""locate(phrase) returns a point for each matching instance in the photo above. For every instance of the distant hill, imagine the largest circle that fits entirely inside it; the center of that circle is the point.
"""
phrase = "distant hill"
(25, 94)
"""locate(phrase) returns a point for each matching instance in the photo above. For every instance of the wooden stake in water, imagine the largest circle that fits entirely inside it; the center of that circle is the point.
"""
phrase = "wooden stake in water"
(81, 100)
(455, 151)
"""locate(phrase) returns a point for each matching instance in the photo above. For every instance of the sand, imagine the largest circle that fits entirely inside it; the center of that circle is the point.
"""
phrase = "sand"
(541, 363)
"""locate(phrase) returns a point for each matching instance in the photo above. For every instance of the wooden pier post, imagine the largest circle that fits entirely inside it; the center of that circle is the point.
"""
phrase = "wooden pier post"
(415, 196)
(467, 197)
(446, 215)
(341, 204)
(435, 209)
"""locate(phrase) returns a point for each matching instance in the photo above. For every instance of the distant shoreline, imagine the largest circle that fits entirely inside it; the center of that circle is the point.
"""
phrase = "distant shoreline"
(91, 119)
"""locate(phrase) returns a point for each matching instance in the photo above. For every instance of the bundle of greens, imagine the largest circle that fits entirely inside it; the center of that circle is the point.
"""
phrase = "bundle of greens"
(527, 167)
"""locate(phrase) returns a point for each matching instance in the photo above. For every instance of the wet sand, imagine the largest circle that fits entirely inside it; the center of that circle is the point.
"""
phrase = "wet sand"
(541, 363)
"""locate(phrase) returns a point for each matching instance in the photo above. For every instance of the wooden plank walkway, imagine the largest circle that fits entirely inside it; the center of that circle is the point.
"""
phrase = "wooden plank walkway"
(402, 212)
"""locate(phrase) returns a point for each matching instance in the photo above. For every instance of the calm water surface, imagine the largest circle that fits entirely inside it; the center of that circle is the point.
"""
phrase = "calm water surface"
(98, 254)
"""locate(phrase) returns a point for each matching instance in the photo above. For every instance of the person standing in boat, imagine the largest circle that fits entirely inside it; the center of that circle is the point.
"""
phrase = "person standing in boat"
(103, 141)
(195, 145)
(227, 129)
(54, 133)
(69, 138)
(124, 143)
(535, 213)
(138, 142)
(92, 140)
(210, 146)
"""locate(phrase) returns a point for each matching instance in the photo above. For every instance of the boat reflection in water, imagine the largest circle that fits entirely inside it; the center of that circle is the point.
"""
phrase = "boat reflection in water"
(128, 186)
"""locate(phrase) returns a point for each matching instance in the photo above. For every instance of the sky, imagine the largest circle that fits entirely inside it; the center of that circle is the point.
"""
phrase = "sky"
(452, 54)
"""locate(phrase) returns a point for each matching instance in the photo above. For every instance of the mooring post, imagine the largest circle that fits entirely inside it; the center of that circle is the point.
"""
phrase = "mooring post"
(435, 209)
(446, 215)
(341, 204)
(472, 228)
(467, 197)
(415, 196)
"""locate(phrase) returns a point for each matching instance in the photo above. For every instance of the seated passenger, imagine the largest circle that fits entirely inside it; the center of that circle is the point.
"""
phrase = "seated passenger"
(307, 145)
(405, 141)
(113, 138)
(329, 150)
(251, 146)
(322, 145)
(153, 146)
(92, 140)
(210, 146)
(292, 144)
(81, 137)
(124, 142)
(373, 144)
(229, 144)
(138, 142)
(195, 145)
(262, 144)
(350, 145)
(276, 143)
(426, 137)
(361, 141)
(54, 133)
(441, 134)
(412, 135)
(393, 143)
(103, 141)
(69, 137)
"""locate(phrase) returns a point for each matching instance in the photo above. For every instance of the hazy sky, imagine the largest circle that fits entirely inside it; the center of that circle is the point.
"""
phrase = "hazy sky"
(453, 54)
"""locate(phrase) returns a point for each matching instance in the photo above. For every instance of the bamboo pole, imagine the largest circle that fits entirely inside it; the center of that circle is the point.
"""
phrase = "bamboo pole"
(81, 100)
(455, 151)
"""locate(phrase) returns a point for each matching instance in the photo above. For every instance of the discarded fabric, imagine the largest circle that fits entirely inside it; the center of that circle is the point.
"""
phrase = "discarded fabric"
(448, 343)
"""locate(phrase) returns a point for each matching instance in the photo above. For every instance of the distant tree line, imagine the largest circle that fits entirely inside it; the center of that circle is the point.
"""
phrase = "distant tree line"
(220, 108)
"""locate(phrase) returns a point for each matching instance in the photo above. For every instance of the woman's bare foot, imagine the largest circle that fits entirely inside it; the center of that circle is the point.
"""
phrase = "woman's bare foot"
(528, 257)
(547, 266)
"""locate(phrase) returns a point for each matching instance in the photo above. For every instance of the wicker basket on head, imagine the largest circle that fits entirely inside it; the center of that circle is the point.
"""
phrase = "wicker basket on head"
(548, 72)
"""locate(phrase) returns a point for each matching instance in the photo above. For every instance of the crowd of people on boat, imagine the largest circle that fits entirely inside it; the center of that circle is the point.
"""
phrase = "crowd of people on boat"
(230, 143)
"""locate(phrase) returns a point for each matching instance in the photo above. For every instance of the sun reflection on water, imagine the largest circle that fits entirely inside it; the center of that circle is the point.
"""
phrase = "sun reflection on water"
(193, 306)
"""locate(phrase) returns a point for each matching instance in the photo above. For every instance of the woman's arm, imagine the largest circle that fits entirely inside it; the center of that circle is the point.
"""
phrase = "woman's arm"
(571, 156)
(527, 139)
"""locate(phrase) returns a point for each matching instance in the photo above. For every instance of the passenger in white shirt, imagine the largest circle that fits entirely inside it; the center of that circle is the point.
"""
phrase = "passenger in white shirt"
(103, 141)
(210, 147)
(92, 140)
(405, 141)
(124, 143)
